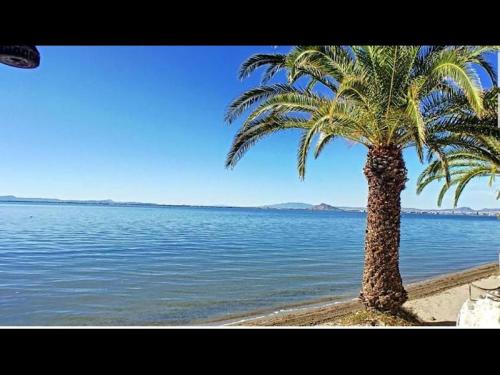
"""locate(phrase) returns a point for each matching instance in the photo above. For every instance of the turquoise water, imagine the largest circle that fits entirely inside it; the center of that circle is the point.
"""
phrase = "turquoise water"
(92, 265)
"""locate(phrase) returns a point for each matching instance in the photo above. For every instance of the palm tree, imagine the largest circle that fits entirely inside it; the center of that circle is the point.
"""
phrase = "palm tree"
(470, 157)
(384, 97)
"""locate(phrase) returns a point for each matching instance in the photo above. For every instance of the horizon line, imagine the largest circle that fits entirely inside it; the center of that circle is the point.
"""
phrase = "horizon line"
(221, 205)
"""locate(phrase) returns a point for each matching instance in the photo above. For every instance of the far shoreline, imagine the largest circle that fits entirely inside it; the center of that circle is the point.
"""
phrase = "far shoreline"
(487, 213)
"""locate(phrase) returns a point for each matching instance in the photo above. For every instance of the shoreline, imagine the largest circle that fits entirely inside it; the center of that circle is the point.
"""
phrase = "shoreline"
(321, 311)
(484, 212)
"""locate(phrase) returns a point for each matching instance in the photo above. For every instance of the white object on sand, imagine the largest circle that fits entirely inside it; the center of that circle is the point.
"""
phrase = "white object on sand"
(483, 312)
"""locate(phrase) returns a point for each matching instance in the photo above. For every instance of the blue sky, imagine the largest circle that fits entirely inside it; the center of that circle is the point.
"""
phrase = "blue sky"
(146, 124)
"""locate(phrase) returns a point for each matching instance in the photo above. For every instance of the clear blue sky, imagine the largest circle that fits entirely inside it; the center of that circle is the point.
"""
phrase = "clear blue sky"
(146, 124)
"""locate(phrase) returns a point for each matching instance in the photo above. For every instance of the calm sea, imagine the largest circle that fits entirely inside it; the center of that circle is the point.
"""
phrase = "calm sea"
(94, 265)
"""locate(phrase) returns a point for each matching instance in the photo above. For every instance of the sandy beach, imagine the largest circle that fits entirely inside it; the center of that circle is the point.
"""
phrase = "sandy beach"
(436, 302)
(443, 308)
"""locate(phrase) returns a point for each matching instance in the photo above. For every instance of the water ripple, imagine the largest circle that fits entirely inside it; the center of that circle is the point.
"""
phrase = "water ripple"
(85, 265)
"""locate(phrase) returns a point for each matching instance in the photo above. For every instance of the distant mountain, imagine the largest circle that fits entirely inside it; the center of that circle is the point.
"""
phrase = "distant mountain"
(325, 207)
(302, 206)
(290, 206)
(464, 209)
(439, 211)
(12, 198)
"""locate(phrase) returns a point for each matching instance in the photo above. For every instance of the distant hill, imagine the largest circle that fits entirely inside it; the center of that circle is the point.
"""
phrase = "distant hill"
(464, 209)
(325, 207)
(440, 211)
(289, 206)
(12, 198)
(302, 206)
(104, 202)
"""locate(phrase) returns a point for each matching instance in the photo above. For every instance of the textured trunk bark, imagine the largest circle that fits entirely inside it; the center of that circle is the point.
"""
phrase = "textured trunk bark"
(382, 284)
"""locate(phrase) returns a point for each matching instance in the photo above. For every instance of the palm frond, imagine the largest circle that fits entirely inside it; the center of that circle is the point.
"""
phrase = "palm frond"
(275, 62)
(427, 97)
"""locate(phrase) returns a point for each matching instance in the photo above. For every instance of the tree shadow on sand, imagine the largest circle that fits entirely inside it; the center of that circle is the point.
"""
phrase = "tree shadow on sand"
(412, 318)
(443, 323)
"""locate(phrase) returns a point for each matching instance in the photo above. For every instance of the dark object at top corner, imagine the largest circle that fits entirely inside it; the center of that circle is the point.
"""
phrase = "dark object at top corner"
(26, 57)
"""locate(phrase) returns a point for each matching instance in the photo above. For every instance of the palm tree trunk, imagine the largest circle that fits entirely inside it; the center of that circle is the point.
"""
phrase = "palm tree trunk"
(382, 284)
